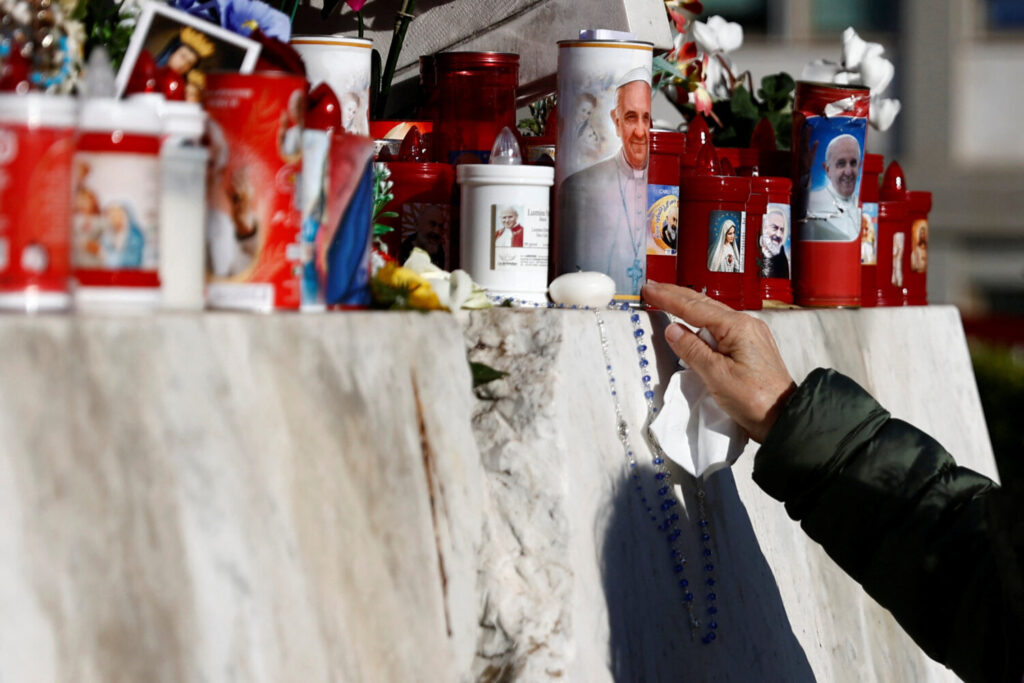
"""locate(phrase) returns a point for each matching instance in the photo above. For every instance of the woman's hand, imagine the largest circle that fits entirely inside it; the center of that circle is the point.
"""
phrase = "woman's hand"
(745, 375)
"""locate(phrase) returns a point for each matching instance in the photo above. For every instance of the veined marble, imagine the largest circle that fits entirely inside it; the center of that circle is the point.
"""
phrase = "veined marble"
(224, 497)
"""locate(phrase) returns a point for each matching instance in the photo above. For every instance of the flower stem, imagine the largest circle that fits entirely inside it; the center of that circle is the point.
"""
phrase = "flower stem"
(359, 17)
(402, 20)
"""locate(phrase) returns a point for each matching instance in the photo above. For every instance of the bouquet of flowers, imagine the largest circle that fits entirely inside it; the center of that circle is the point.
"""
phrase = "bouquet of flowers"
(699, 78)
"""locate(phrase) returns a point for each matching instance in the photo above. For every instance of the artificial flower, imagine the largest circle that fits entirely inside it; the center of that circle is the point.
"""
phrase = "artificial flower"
(245, 16)
(355, 5)
(863, 64)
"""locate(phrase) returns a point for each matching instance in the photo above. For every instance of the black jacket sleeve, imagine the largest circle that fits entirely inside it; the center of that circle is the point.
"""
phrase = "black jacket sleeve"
(936, 544)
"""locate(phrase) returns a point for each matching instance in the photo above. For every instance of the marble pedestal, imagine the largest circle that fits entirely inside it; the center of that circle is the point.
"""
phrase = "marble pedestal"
(325, 498)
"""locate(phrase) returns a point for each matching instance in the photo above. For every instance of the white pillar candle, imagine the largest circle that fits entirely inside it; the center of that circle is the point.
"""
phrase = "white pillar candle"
(582, 289)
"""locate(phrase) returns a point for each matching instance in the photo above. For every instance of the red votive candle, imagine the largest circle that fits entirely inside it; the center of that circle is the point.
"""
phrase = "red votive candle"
(890, 274)
(918, 206)
(477, 99)
(712, 247)
(873, 164)
(422, 199)
(773, 247)
(663, 204)
(829, 147)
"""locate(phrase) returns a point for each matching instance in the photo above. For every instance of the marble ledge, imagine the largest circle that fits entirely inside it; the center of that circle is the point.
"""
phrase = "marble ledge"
(273, 498)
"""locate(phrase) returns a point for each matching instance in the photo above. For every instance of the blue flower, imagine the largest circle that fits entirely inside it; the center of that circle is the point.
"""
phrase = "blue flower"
(203, 9)
(242, 16)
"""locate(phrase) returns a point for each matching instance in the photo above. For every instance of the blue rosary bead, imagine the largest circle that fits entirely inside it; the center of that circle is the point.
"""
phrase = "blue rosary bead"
(703, 522)
(712, 610)
(658, 461)
(678, 569)
(709, 567)
(661, 475)
(705, 536)
(709, 637)
(688, 597)
(710, 582)
(646, 379)
(674, 517)
(635, 317)
(712, 597)
(674, 535)
(707, 552)
(644, 363)
(663, 490)
(667, 504)
(712, 624)
(638, 333)
(648, 394)
(642, 348)
(683, 583)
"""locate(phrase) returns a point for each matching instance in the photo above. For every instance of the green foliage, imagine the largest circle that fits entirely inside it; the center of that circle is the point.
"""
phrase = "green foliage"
(999, 372)
(382, 195)
(741, 113)
(536, 124)
(105, 26)
(482, 374)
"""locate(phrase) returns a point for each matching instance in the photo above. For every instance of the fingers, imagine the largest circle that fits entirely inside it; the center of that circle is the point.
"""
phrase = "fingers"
(690, 348)
(693, 307)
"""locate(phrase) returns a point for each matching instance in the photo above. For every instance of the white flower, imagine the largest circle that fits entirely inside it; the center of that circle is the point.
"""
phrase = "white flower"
(717, 35)
(454, 290)
(863, 64)
(716, 38)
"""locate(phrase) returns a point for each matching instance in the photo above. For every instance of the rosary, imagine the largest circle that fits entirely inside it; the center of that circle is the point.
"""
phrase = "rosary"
(661, 506)
(659, 502)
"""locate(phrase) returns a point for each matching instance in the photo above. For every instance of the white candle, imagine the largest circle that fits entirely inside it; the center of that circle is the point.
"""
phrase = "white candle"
(582, 289)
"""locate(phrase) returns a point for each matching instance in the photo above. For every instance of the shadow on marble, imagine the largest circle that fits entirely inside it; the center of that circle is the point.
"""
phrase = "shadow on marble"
(649, 633)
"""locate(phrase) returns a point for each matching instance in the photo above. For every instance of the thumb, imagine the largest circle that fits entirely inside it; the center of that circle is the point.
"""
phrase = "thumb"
(693, 350)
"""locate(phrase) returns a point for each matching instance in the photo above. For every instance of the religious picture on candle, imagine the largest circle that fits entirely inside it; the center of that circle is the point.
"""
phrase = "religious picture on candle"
(774, 242)
(725, 241)
(427, 226)
(185, 48)
(898, 243)
(919, 250)
(602, 163)
(828, 189)
(662, 219)
(868, 233)
(115, 211)
(519, 237)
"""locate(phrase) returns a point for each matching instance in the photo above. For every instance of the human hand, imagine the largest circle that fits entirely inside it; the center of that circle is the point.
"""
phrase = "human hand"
(745, 375)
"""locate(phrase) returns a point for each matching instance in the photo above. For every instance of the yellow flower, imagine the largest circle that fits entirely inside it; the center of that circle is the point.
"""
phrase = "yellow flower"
(417, 291)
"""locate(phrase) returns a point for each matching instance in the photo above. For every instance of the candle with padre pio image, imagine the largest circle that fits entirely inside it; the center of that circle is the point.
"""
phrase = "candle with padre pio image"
(829, 127)
(604, 124)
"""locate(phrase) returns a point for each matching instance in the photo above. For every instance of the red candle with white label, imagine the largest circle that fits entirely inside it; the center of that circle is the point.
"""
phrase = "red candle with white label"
(37, 144)
(117, 203)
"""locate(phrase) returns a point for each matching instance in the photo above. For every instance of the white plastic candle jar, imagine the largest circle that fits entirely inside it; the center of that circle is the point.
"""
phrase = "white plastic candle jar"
(505, 228)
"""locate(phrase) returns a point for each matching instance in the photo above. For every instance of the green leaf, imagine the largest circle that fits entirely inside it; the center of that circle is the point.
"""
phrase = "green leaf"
(777, 91)
(482, 374)
(742, 104)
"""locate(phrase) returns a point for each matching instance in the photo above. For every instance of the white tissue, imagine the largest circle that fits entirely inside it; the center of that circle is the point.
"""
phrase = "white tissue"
(841, 107)
(693, 430)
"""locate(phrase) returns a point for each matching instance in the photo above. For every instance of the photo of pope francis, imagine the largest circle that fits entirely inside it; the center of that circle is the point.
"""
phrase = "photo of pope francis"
(602, 209)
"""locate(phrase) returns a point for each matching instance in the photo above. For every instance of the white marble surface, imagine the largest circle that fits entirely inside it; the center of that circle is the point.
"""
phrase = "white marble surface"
(225, 497)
